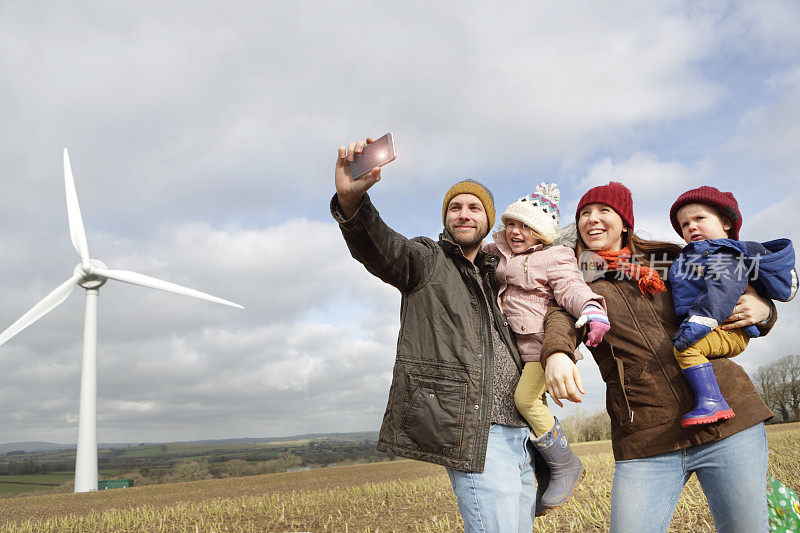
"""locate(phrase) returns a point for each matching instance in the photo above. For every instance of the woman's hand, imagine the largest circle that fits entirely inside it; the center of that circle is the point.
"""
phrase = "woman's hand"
(563, 379)
(750, 309)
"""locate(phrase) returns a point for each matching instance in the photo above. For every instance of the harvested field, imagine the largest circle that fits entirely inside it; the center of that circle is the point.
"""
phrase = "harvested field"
(320, 479)
(393, 496)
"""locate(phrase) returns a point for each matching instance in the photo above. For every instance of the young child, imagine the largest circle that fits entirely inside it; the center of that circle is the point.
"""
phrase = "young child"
(531, 275)
(707, 279)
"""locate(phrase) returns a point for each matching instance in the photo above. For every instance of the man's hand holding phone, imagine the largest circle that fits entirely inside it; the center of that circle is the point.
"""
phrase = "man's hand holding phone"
(350, 190)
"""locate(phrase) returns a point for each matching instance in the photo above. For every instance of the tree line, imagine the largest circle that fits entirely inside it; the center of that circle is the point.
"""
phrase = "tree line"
(778, 384)
(32, 466)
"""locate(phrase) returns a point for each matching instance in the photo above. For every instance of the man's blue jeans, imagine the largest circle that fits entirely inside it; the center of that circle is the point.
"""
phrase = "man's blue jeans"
(732, 472)
(502, 498)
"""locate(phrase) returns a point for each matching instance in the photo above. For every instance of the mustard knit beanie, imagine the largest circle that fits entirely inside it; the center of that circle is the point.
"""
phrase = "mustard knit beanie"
(476, 188)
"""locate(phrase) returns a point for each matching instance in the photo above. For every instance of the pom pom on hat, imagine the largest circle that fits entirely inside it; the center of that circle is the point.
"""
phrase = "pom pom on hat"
(538, 211)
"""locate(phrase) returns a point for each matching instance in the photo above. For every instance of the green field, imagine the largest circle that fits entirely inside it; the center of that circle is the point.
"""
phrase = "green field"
(161, 463)
(181, 449)
(390, 496)
(15, 485)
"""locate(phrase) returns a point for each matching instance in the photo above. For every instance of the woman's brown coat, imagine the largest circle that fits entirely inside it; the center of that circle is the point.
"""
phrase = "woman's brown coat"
(646, 394)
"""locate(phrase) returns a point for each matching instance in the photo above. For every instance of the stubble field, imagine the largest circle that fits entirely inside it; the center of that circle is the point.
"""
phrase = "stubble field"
(393, 496)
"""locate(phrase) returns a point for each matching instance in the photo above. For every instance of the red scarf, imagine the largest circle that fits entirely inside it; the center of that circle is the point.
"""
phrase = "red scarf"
(649, 281)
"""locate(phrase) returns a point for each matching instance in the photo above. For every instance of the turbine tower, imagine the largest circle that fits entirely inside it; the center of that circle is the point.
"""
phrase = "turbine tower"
(90, 274)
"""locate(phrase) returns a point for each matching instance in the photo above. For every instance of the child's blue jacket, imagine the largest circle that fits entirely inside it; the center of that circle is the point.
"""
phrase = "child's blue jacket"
(708, 277)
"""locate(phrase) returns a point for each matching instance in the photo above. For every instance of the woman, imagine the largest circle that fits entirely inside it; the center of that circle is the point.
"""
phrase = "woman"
(645, 391)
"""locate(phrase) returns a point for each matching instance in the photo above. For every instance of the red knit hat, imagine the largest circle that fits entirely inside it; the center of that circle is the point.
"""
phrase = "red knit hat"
(615, 195)
(724, 202)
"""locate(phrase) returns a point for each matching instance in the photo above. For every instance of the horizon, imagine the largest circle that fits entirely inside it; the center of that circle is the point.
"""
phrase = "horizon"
(101, 445)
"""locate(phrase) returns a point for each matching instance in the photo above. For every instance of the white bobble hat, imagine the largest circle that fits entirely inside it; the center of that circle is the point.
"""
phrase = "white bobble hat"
(538, 211)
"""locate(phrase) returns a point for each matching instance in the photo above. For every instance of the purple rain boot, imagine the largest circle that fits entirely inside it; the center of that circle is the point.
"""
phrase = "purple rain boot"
(709, 403)
(566, 470)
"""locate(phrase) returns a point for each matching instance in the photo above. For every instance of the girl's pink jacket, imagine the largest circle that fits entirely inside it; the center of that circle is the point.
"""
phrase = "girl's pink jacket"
(530, 281)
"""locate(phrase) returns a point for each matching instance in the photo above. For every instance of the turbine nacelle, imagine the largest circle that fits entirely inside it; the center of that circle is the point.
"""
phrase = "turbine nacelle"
(89, 279)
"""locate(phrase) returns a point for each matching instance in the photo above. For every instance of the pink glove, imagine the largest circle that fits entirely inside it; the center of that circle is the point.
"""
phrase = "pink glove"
(596, 331)
(598, 324)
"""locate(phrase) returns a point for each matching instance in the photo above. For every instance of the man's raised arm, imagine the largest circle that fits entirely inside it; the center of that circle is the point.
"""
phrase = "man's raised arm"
(385, 253)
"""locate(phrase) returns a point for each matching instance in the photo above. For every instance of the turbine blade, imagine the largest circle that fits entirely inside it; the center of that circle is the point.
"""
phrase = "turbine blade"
(76, 231)
(49, 302)
(146, 281)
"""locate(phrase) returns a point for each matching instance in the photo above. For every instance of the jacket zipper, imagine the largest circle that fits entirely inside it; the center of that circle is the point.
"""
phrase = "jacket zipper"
(622, 383)
(488, 360)
(488, 357)
(525, 267)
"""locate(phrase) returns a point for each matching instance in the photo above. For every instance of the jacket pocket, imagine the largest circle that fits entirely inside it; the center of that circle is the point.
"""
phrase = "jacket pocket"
(532, 322)
(433, 415)
(633, 399)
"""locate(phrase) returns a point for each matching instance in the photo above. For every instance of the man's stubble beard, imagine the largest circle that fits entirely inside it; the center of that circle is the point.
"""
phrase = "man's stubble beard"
(469, 243)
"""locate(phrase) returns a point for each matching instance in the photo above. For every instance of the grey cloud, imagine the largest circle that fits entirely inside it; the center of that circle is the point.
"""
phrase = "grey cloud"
(203, 137)
(226, 107)
(769, 133)
(167, 358)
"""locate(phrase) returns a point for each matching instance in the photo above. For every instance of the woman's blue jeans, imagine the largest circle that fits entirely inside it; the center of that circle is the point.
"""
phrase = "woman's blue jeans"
(732, 472)
(501, 499)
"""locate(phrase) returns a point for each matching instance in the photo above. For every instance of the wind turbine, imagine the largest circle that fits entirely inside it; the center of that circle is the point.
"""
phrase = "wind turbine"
(90, 274)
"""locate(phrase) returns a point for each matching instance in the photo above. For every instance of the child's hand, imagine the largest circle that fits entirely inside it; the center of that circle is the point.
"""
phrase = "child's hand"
(597, 328)
(598, 324)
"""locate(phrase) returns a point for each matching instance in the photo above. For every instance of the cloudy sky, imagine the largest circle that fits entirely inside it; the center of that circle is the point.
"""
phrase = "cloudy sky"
(203, 137)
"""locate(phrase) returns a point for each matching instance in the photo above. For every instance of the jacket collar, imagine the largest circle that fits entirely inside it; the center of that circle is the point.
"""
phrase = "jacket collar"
(483, 260)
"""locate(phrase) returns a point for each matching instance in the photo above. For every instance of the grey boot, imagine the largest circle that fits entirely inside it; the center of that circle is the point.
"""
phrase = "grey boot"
(566, 470)
(542, 472)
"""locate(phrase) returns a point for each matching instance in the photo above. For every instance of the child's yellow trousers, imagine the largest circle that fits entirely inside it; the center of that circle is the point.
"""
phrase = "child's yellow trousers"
(529, 400)
(718, 343)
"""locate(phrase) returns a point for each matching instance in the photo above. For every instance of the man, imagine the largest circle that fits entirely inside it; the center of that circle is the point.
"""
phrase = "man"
(451, 400)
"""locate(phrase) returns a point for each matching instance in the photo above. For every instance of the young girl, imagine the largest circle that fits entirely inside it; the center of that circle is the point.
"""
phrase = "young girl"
(531, 274)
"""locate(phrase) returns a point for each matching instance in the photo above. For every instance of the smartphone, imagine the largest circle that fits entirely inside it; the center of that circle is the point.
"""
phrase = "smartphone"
(375, 154)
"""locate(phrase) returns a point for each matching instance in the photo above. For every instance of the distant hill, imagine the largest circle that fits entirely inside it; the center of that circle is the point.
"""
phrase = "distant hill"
(34, 446)
(356, 436)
